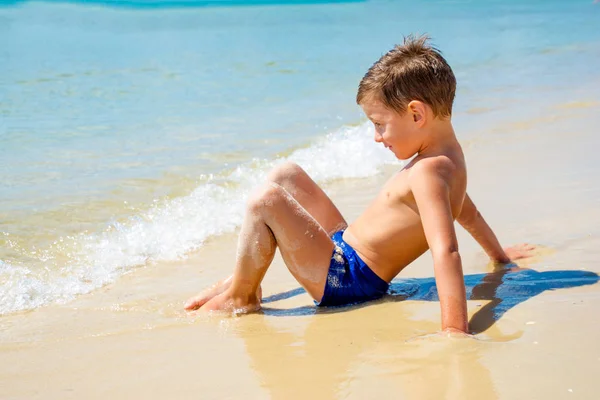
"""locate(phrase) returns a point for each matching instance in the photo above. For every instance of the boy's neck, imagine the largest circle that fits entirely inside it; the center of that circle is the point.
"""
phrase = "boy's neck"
(439, 139)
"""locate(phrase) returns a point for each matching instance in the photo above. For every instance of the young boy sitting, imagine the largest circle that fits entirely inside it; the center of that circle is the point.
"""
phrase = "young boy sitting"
(408, 95)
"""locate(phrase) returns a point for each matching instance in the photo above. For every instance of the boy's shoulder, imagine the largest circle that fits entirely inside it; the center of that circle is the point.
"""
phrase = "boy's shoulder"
(432, 168)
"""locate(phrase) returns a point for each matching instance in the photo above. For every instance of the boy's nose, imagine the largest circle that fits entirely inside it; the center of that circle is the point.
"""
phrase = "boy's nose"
(378, 137)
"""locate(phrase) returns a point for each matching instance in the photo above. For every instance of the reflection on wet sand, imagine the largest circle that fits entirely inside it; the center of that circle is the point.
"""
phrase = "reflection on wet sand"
(372, 351)
(364, 354)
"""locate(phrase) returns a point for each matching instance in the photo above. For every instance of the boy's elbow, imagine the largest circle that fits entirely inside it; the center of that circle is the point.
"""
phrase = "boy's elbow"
(447, 255)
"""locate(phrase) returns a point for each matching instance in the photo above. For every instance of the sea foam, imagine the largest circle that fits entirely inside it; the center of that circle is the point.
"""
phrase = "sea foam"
(172, 230)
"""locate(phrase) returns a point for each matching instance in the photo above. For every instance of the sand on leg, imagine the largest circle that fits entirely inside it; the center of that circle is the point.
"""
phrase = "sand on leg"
(298, 184)
(275, 219)
(311, 197)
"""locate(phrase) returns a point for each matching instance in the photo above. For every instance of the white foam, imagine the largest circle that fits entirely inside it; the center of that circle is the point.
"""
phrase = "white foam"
(172, 230)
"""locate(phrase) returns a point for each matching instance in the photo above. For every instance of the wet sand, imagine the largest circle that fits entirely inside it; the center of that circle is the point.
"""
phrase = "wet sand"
(536, 328)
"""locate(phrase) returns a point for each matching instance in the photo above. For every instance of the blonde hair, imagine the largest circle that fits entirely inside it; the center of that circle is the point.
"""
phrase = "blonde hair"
(414, 70)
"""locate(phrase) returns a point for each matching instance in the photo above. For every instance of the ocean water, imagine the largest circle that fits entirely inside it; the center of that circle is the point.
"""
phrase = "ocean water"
(132, 131)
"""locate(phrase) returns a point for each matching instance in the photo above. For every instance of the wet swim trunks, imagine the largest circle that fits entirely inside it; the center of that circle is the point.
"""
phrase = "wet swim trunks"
(350, 280)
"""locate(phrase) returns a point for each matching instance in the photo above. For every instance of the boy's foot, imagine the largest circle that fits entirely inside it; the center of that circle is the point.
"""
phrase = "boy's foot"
(198, 301)
(229, 303)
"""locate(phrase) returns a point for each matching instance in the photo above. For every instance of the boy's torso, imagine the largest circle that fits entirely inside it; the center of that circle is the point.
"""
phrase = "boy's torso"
(389, 234)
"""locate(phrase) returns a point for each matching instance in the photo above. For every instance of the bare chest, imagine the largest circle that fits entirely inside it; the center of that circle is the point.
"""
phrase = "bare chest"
(396, 192)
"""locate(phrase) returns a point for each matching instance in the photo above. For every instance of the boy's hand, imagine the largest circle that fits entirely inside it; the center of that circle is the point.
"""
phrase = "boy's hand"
(520, 251)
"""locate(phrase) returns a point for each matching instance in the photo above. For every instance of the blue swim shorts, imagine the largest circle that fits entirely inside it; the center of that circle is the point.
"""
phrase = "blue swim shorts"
(350, 280)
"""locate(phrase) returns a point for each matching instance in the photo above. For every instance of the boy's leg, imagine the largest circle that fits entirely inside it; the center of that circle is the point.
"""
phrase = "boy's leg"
(311, 197)
(275, 218)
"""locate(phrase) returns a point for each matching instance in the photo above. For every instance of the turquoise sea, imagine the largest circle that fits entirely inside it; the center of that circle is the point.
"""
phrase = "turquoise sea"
(132, 131)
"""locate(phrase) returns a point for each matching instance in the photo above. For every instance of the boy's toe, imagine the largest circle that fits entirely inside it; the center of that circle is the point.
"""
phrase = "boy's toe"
(195, 303)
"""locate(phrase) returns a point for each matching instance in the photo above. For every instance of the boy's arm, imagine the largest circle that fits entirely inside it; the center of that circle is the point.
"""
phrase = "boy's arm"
(432, 196)
(473, 222)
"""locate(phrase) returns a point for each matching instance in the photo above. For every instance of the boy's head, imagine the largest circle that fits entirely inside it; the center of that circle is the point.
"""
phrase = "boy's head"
(411, 71)
(406, 89)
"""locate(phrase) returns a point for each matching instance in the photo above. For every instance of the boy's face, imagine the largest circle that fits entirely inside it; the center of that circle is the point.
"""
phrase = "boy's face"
(398, 132)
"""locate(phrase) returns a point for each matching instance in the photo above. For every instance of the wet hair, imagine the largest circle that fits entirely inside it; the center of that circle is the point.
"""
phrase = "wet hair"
(414, 70)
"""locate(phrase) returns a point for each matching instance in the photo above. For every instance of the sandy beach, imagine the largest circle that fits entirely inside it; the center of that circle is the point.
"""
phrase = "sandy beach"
(534, 179)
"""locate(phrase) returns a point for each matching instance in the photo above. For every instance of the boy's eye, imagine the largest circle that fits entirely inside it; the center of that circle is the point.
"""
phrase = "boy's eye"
(377, 124)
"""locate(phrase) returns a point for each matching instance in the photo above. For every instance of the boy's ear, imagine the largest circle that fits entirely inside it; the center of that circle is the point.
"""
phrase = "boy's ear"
(418, 110)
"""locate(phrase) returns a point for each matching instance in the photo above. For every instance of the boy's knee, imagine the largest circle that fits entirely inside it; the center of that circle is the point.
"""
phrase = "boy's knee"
(265, 197)
(285, 173)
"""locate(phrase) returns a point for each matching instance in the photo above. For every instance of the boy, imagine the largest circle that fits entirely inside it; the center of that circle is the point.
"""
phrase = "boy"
(408, 95)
